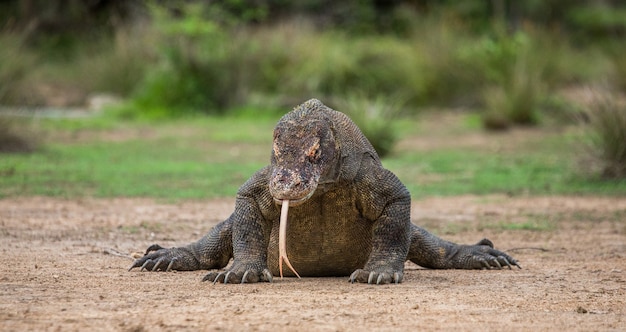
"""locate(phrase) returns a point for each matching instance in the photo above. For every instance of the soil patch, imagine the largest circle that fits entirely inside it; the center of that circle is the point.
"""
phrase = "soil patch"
(65, 268)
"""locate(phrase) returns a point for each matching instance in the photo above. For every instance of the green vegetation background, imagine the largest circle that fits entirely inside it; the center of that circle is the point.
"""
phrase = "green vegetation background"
(203, 83)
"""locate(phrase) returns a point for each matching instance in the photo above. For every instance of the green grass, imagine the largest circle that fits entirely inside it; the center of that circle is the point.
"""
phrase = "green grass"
(535, 223)
(208, 157)
(193, 158)
(161, 169)
(462, 171)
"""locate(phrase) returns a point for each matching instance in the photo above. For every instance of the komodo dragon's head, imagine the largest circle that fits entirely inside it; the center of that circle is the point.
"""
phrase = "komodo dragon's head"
(304, 152)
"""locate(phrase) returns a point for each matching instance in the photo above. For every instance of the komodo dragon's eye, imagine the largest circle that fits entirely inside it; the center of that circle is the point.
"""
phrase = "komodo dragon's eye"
(313, 154)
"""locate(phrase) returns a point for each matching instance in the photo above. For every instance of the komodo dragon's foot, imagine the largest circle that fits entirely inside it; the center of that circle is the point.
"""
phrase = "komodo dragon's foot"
(240, 274)
(158, 258)
(376, 276)
(482, 255)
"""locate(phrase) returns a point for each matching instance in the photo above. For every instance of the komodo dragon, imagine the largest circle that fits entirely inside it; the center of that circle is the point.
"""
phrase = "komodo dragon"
(349, 216)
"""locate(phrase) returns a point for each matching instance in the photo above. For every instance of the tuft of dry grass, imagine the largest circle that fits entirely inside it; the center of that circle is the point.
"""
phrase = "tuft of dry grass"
(375, 117)
(16, 63)
(607, 130)
(16, 135)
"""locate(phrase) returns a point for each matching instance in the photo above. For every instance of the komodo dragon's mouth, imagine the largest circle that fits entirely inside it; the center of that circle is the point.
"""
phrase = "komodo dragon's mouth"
(294, 202)
(294, 185)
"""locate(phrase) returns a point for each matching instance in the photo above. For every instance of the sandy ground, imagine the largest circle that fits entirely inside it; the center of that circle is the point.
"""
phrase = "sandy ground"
(64, 267)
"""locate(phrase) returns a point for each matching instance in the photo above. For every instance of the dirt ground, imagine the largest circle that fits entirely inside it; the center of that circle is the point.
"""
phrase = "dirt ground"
(64, 267)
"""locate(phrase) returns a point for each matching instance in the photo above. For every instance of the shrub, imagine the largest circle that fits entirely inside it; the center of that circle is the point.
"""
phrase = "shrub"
(375, 117)
(31, 77)
(513, 69)
(332, 64)
(201, 66)
(15, 64)
(517, 101)
(221, 67)
(607, 126)
(206, 65)
(493, 116)
(619, 68)
(447, 74)
(16, 135)
(119, 65)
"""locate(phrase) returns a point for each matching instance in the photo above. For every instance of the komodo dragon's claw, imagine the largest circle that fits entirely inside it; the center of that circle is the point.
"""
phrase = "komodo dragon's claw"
(230, 277)
(158, 258)
(483, 256)
(375, 278)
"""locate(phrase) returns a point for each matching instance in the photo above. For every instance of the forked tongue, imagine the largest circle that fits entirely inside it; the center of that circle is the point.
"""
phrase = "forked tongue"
(282, 240)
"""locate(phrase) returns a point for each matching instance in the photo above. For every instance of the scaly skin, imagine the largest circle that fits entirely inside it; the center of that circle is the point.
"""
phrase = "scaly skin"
(348, 215)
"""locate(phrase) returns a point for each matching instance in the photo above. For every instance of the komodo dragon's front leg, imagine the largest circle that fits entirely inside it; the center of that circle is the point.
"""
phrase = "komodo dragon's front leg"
(250, 236)
(384, 200)
(212, 251)
(244, 236)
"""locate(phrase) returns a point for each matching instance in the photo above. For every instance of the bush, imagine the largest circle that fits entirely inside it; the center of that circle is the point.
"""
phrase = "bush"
(117, 66)
(376, 118)
(16, 135)
(201, 66)
(517, 101)
(619, 69)
(513, 69)
(424, 68)
(32, 77)
(333, 65)
(204, 66)
(208, 66)
(607, 126)
(15, 64)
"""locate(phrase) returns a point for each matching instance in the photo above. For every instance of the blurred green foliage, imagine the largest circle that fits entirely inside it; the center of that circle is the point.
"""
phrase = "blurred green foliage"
(205, 67)
(15, 64)
(183, 57)
(504, 58)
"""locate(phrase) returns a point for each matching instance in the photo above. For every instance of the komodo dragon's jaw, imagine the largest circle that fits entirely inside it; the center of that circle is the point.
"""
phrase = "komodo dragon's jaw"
(289, 185)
